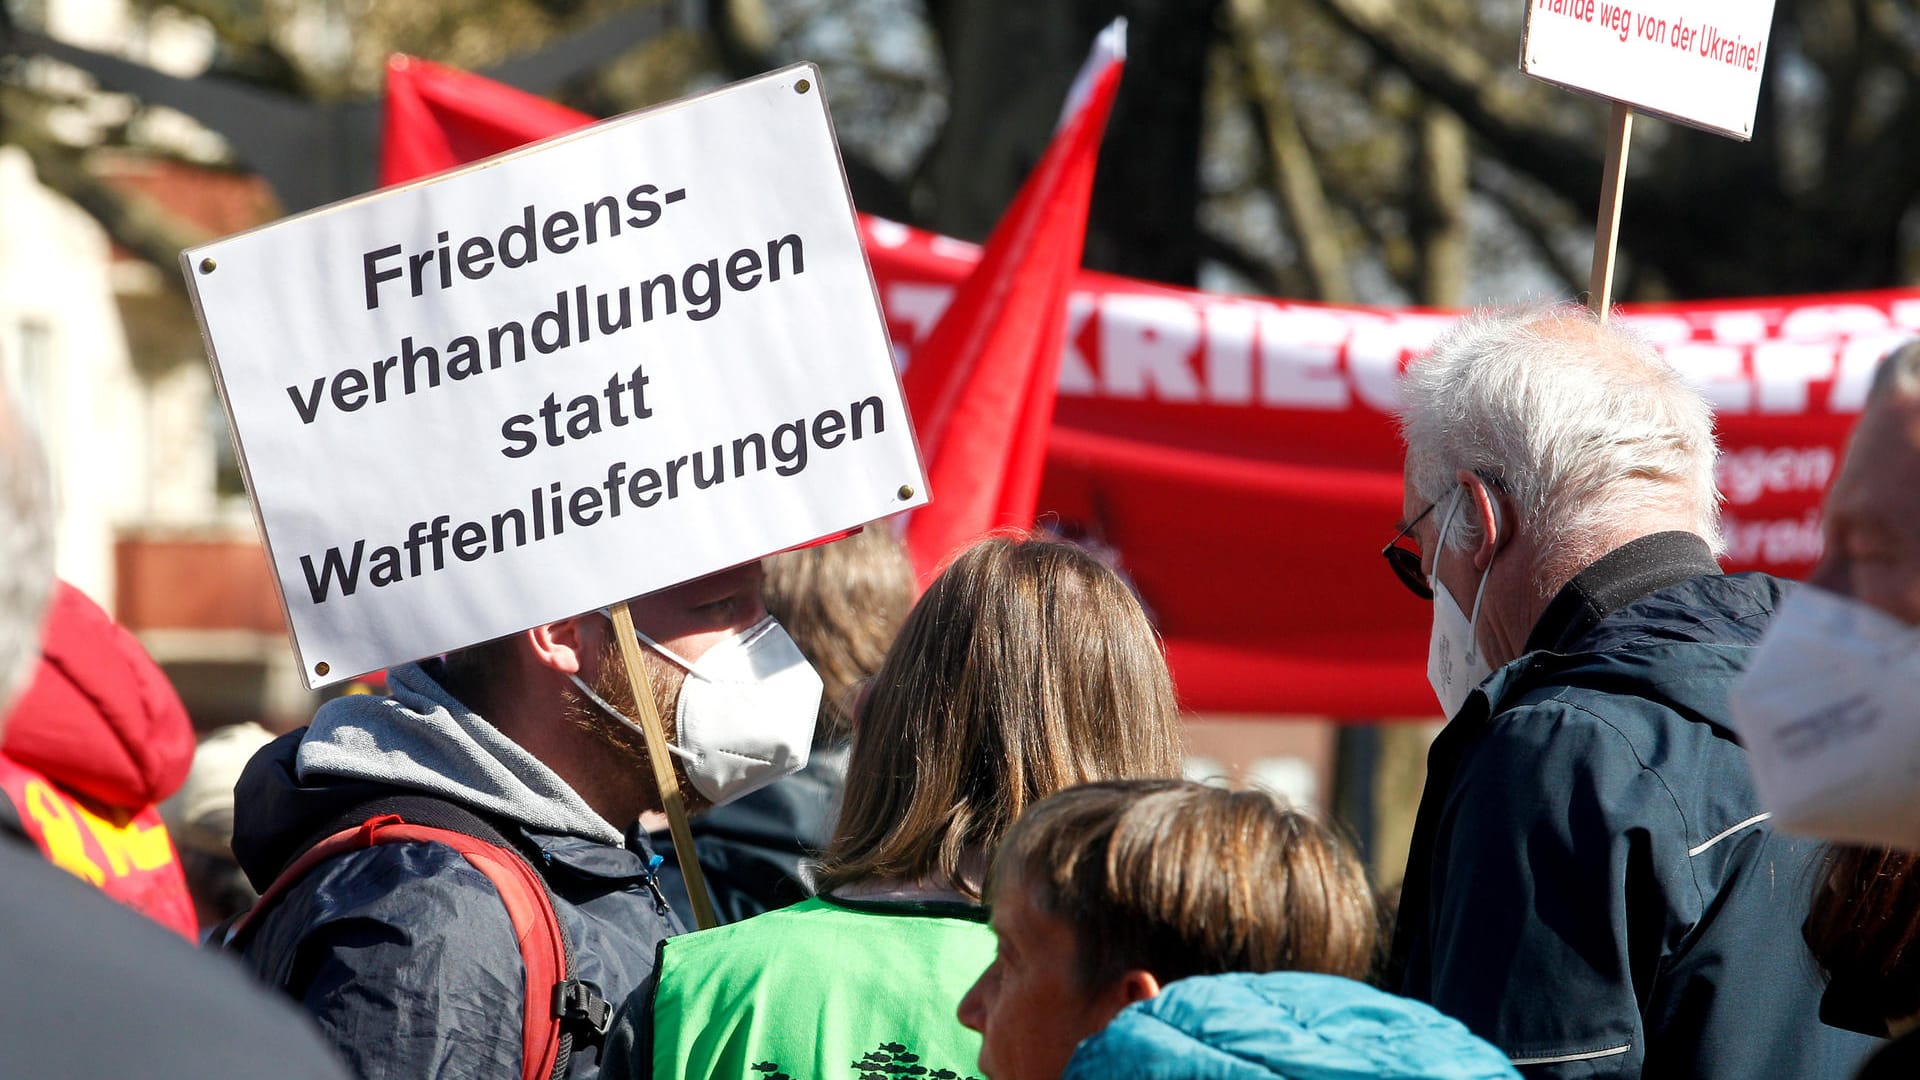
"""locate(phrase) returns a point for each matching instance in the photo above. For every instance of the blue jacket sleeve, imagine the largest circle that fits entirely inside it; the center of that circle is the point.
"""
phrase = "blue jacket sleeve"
(405, 957)
(1560, 876)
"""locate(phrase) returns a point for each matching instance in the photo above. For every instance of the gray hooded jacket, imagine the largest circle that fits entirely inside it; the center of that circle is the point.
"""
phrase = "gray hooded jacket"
(403, 952)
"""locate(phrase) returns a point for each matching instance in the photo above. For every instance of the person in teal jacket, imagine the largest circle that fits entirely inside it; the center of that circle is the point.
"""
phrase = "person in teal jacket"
(1027, 667)
(1111, 895)
(1294, 1025)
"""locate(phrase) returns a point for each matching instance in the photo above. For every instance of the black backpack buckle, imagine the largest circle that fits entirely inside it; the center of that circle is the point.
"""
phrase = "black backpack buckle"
(580, 1006)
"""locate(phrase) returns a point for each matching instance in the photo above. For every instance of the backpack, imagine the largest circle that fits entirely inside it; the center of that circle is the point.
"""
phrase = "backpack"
(558, 1006)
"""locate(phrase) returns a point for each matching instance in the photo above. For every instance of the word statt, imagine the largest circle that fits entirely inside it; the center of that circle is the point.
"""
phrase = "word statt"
(586, 370)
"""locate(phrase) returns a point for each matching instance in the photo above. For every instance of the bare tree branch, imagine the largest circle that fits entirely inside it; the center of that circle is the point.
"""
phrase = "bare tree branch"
(1290, 162)
(1269, 278)
(1440, 208)
(1537, 227)
(1464, 81)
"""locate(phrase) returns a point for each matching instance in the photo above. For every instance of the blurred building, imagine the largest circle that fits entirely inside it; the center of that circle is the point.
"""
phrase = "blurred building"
(104, 352)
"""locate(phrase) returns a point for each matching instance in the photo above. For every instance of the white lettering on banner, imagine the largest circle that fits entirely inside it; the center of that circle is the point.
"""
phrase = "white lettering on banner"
(1376, 374)
(1743, 476)
(1146, 347)
(1076, 378)
(1859, 359)
(918, 308)
(887, 234)
(1382, 346)
(1229, 358)
(1784, 370)
(1826, 322)
(1906, 314)
(1231, 351)
(1784, 540)
(1660, 331)
(1738, 327)
(1718, 371)
(1300, 359)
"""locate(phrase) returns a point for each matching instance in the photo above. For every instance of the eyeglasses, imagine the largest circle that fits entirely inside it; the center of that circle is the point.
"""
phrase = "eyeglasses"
(1405, 562)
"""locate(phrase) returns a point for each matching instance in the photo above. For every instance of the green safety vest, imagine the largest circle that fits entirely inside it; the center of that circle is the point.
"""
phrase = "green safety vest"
(824, 990)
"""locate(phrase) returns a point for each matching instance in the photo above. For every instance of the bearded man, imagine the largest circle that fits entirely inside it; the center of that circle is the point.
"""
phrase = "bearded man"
(404, 952)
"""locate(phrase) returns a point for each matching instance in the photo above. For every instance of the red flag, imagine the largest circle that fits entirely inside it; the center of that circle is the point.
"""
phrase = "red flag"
(982, 386)
(1268, 413)
(439, 117)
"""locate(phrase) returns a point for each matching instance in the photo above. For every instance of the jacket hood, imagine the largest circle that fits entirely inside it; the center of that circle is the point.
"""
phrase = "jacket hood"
(99, 717)
(1287, 1024)
(418, 738)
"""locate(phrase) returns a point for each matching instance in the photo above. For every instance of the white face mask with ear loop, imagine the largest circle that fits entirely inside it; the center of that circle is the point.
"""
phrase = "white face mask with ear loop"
(746, 712)
(1454, 662)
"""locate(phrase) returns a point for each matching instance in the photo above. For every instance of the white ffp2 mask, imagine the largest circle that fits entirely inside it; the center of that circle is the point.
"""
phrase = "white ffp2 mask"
(746, 712)
(1829, 710)
(1454, 663)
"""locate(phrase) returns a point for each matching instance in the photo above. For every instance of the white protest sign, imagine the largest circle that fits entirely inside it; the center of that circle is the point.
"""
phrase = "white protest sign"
(1695, 61)
(624, 358)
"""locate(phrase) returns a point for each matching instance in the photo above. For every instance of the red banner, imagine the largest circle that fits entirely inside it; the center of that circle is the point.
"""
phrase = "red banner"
(1240, 456)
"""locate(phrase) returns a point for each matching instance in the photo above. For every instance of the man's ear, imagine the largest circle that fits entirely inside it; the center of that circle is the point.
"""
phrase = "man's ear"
(1485, 500)
(562, 645)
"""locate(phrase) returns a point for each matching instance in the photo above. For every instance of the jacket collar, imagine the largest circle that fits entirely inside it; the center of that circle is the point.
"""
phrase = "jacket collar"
(591, 860)
(1615, 580)
(420, 737)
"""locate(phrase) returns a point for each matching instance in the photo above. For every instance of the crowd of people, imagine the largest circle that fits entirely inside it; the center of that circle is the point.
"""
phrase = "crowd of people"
(948, 834)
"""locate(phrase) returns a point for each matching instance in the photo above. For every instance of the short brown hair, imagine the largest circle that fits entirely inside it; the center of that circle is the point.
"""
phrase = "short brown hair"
(842, 603)
(1179, 878)
(1026, 668)
(1863, 928)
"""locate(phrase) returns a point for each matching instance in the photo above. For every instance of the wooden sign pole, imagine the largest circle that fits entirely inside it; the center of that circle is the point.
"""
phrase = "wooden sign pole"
(1606, 233)
(663, 775)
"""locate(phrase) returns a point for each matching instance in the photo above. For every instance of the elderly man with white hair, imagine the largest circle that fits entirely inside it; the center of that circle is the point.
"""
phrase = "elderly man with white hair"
(1593, 886)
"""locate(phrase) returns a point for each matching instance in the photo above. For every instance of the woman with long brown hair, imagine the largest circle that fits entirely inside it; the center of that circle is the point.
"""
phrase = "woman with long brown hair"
(1025, 669)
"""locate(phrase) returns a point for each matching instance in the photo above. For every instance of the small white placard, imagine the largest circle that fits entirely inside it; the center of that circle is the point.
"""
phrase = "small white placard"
(618, 360)
(1695, 61)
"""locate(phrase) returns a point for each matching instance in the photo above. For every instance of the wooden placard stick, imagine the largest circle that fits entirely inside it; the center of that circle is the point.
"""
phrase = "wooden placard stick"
(663, 776)
(1606, 232)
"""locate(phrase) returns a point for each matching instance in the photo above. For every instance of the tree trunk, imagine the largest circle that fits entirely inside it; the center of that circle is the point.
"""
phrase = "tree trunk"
(1440, 209)
(1294, 175)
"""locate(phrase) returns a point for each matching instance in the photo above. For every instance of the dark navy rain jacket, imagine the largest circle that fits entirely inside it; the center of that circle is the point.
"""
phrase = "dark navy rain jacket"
(1593, 885)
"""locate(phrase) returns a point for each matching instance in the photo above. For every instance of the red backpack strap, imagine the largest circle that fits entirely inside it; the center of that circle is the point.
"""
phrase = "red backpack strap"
(552, 995)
